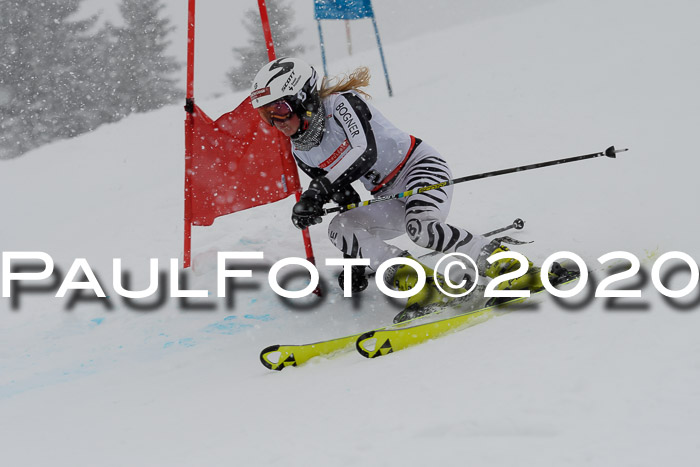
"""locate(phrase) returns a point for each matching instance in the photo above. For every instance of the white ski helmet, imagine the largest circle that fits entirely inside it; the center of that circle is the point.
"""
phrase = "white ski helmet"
(290, 79)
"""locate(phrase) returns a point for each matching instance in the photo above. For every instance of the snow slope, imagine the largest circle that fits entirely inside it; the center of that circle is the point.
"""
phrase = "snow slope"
(86, 383)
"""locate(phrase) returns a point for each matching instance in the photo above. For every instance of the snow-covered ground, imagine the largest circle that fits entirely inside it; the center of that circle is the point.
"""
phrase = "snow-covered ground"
(97, 382)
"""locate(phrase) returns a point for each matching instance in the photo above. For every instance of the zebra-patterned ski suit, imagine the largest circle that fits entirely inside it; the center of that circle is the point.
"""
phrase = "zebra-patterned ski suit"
(359, 143)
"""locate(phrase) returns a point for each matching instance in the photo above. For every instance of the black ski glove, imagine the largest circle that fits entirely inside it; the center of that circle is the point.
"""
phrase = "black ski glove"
(309, 209)
(319, 191)
(305, 213)
(346, 195)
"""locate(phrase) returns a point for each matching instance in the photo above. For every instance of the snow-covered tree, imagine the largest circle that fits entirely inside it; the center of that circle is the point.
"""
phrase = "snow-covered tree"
(45, 90)
(139, 68)
(253, 55)
(59, 77)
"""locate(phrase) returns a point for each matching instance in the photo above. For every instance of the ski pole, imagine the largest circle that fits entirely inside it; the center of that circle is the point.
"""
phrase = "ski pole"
(610, 152)
(517, 225)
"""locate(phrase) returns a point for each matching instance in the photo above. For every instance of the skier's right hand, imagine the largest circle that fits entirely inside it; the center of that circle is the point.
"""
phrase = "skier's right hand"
(306, 212)
(346, 195)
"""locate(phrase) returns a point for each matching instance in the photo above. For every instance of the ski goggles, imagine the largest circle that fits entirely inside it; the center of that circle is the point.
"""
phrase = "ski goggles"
(277, 111)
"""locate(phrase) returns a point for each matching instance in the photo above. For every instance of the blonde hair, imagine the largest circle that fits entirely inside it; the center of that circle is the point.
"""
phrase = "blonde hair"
(347, 82)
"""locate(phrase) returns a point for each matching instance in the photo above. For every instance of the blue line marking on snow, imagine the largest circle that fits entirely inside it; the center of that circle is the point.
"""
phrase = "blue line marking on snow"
(185, 342)
(249, 241)
(228, 326)
(44, 379)
(97, 321)
(266, 317)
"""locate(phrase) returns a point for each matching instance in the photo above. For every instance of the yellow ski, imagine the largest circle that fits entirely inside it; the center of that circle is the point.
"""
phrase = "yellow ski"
(386, 339)
(381, 342)
(278, 357)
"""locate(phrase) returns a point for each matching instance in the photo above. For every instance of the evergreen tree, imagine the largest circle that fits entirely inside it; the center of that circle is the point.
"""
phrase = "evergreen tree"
(253, 56)
(139, 69)
(45, 91)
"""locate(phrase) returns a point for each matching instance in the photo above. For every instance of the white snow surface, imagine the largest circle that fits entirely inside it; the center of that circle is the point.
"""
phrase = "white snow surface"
(89, 385)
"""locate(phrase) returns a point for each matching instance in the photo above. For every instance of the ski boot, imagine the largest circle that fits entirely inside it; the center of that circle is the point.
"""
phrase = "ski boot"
(531, 280)
(359, 281)
(428, 299)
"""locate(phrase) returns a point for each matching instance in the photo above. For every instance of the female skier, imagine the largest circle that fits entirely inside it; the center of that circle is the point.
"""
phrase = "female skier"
(338, 138)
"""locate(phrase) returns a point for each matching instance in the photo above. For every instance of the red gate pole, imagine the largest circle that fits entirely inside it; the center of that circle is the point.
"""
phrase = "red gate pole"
(266, 30)
(189, 133)
(271, 56)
